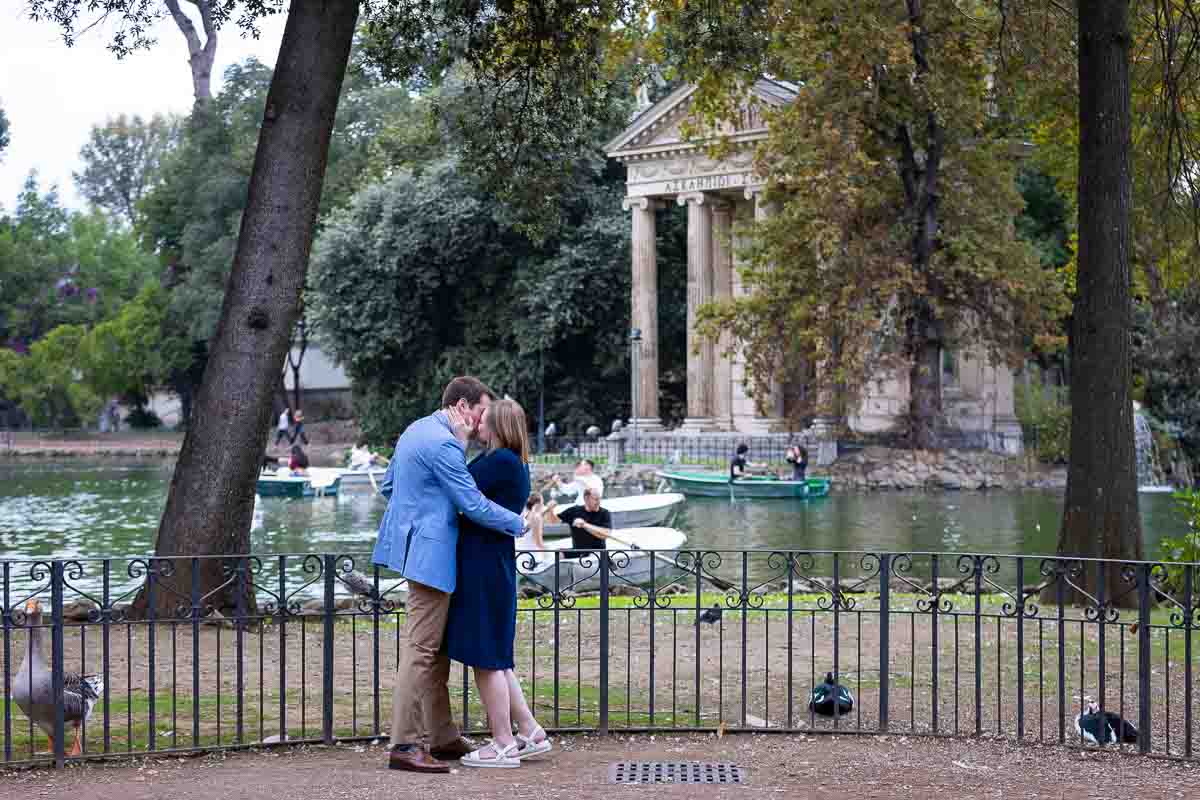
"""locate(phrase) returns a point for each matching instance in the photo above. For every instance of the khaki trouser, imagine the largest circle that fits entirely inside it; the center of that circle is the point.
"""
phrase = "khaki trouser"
(421, 702)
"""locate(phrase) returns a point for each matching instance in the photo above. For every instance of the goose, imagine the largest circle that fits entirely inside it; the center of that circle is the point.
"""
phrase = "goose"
(1092, 727)
(831, 698)
(33, 692)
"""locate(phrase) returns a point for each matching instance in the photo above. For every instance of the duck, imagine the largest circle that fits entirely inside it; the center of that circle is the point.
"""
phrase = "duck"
(1110, 727)
(831, 698)
(33, 686)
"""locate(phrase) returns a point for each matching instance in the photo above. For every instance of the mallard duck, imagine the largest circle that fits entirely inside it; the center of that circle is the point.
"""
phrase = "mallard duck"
(1110, 727)
(33, 686)
(831, 698)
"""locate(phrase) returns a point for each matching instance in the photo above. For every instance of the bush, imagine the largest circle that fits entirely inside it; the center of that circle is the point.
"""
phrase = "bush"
(1045, 417)
(1177, 551)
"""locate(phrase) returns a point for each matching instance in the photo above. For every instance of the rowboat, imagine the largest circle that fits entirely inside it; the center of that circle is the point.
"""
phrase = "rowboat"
(352, 480)
(718, 484)
(627, 566)
(638, 511)
(284, 484)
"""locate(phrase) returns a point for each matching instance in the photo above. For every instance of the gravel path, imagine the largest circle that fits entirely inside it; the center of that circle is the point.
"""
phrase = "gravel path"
(807, 768)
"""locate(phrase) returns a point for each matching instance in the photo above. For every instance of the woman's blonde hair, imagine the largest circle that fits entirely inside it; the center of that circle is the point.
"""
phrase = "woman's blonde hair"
(506, 418)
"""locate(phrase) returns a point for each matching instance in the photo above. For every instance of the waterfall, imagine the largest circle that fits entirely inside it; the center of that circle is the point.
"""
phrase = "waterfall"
(1149, 474)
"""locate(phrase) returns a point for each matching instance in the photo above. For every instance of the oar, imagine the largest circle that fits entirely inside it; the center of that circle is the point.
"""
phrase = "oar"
(724, 586)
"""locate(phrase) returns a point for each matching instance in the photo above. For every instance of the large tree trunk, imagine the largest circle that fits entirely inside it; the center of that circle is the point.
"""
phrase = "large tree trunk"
(1100, 518)
(925, 381)
(211, 500)
(201, 55)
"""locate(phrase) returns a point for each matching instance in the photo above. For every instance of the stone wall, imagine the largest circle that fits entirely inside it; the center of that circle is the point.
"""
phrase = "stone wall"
(884, 468)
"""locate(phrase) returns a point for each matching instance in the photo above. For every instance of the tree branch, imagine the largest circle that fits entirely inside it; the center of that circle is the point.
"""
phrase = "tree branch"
(185, 25)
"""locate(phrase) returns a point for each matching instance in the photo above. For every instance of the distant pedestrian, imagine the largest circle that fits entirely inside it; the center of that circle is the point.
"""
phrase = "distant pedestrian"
(284, 426)
(298, 418)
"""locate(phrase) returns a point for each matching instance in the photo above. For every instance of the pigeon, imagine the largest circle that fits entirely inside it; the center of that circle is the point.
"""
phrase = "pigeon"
(831, 698)
(359, 584)
(710, 616)
(1110, 727)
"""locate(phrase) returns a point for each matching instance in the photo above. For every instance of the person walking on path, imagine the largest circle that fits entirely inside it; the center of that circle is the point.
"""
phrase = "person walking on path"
(299, 432)
(427, 484)
(282, 428)
(482, 622)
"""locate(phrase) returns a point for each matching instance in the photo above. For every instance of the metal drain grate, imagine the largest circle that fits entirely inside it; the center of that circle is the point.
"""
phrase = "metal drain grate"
(674, 772)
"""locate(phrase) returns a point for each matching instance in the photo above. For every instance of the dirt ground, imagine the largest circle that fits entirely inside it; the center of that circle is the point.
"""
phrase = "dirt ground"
(802, 767)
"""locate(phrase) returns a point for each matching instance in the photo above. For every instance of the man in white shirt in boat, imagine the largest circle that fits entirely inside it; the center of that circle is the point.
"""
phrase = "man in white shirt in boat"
(585, 478)
(590, 524)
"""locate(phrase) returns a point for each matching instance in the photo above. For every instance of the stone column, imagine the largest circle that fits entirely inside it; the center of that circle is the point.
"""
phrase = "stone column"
(722, 250)
(644, 309)
(768, 412)
(700, 284)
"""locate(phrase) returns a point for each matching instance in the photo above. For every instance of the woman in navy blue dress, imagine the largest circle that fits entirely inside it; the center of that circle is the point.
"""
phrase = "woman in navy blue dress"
(482, 620)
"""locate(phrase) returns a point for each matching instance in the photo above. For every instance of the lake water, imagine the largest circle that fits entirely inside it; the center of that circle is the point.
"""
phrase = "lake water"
(88, 510)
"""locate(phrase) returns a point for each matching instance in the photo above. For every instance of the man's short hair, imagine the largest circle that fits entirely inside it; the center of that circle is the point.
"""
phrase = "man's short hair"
(587, 461)
(466, 386)
(594, 491)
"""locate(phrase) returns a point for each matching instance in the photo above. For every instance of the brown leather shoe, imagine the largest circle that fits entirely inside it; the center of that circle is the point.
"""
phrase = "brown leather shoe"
(453, 749)
(413, 758)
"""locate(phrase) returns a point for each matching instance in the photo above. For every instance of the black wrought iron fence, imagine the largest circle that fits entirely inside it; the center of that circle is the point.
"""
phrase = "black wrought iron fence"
(716, 450)
(304, 648)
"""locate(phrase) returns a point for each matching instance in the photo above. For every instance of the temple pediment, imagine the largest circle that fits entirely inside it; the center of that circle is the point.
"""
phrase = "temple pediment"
(657, 131)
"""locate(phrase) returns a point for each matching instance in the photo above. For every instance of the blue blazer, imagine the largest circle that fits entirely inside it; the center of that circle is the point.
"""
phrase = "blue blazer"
(427, 484)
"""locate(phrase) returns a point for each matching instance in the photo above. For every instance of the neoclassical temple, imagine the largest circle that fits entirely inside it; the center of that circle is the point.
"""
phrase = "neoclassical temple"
(724, 198)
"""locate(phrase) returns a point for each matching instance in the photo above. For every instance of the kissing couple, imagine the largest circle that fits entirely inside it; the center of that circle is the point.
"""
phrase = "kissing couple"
(451, 528)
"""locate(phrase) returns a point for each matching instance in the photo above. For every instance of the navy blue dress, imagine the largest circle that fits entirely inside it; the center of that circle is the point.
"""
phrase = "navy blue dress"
(483, 609)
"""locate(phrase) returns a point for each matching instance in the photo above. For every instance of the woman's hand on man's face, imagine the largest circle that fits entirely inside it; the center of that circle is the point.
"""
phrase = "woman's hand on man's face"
(462, 424)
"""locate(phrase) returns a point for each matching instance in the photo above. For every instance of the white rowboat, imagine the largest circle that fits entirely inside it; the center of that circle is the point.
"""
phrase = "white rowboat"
(629, 566)
(638, 511)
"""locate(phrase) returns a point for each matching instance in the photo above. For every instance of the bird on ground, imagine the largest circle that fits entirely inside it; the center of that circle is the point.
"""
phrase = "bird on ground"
(1108, 728)
(710, 616)
(33, 687)
(831, 698)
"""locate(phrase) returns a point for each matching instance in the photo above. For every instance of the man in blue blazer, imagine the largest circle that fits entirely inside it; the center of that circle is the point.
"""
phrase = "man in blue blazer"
(427, 485)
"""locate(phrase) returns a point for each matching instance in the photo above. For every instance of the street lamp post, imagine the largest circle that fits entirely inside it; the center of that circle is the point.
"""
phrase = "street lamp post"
(635, 351)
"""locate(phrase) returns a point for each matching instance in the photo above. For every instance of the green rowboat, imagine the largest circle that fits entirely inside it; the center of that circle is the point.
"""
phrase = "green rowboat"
(717, 484)
(296, 486)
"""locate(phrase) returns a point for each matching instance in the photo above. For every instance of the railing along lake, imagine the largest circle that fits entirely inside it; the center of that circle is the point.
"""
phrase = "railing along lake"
(941, 644)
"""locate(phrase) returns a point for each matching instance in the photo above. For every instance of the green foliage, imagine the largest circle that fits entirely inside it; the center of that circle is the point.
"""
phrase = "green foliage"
(47, 383)
(121, 162)
(428, 276)
(192, 216)
(1183, 549)
(124, 355)
(895, 188)
(69, 373)
(59, 267)
(1166, 363)
(4, 135)
(1045, 417)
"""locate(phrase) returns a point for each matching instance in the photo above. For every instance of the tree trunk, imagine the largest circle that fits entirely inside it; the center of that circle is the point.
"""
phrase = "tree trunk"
(211, 499)
(201, 55)
(1100, 517)
(925, 381)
